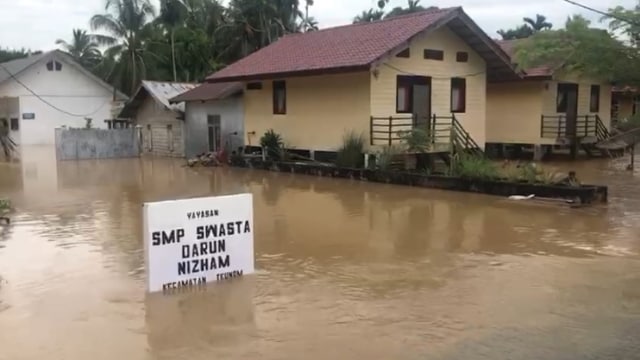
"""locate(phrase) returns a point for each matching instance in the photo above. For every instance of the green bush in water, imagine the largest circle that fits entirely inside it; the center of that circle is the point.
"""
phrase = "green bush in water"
(417, 140)
(473, 167)
(631, 123)
(272, 144)
(351, 153)
(385, 157)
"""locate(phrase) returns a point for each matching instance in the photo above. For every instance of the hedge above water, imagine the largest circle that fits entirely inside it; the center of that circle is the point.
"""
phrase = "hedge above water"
(583, 194)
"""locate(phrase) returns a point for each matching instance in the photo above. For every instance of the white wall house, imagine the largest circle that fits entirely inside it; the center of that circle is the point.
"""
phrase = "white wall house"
(50, 90)
(162, 125)
(214, 118)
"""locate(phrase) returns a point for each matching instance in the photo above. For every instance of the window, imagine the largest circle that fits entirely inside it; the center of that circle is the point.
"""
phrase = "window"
(213, 132)
(433, 54)
(170, 137)
(462, 56)
(50, 66)
(458, 95)
(594, 100)
(404, 53)
(58, 66)
(279, 97)
(254, 86)
(562, 97)
(15, 124)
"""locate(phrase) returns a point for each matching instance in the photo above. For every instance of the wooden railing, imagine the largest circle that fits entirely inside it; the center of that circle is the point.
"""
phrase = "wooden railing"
(602, 133)
(555, 126)
(445, 133)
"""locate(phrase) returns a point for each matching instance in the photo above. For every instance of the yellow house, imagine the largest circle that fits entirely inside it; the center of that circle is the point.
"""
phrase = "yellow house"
(546, 107)
(429, 68)
(625, 102)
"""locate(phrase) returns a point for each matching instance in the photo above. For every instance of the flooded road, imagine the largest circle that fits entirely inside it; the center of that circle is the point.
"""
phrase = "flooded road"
(345, 269)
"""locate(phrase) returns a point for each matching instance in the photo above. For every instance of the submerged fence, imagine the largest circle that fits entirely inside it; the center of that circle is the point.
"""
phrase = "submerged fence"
(80, 144)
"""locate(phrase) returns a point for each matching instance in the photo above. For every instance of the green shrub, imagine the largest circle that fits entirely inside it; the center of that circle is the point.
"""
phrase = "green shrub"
(385, 157)
(631, 123)
(5, 205)
(272, 143)
(473, 167)
(351, 153)
(416, 140)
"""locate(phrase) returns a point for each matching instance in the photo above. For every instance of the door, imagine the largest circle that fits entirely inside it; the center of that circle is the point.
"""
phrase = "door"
(422, 102)
(570, 94)
(214, 133)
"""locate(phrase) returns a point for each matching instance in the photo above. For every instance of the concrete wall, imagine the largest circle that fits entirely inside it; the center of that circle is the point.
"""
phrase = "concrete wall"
(78, 144)
(383, 87)
(157, 138)
(231, 113)
(69, 90)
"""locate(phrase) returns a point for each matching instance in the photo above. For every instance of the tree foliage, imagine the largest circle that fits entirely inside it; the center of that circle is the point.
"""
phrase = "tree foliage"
(530, 27)
(379, 14)
(581, 48)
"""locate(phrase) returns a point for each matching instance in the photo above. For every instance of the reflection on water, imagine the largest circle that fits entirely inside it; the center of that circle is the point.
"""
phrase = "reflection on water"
(427, 274)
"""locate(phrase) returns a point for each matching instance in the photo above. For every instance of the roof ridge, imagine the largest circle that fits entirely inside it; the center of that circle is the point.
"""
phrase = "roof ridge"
(393, 18)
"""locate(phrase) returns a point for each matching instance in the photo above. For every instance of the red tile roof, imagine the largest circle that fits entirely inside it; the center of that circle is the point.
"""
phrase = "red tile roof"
(539, 71)
(209, 91)
(349, 48)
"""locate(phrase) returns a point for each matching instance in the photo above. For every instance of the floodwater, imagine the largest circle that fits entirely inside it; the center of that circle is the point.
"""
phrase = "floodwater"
(345, 270)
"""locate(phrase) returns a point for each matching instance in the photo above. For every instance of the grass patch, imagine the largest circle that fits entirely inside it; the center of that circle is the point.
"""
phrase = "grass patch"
(351, 153)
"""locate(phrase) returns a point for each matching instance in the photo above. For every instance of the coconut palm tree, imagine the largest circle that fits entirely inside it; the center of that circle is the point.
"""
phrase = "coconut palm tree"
(368, 16)
(127, 26)
(172, 16)
(539, 24)
(82, 48)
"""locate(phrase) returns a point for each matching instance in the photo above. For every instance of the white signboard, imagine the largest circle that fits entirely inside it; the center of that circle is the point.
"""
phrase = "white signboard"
(191, 242)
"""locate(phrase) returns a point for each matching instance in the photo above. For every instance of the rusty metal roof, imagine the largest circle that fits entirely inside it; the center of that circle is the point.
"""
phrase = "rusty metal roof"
(161, 92)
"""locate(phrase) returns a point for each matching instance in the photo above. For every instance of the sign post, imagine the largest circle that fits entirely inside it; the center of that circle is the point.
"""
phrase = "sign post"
(191, 242)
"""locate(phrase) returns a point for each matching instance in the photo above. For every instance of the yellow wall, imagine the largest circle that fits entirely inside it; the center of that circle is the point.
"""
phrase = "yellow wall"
(383, 87)
(584, 94)
(514, 109)
(320, 109)
(513, 112)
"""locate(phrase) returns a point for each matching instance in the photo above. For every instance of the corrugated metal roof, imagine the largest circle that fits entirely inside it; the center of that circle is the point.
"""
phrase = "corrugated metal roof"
(164, 91)
(160, 91)
(209, 91)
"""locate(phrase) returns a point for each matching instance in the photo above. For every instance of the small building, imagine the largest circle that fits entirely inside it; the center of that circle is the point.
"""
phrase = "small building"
(547, 108)
(161, 123)
(214, 118)
(50, 90)
(625, 103)
(428, 68)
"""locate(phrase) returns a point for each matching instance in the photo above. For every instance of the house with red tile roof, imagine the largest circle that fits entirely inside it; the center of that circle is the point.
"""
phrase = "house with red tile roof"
(373, 78)
(541, 109)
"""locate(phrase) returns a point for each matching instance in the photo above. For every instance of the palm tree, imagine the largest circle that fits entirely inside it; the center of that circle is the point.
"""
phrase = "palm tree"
(82, 48)
(172, 15)
(368, 16)
(127, 25)
(412, 6)
(539, 24)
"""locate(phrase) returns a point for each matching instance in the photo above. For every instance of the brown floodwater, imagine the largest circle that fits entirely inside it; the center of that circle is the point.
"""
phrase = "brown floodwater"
(345, 269)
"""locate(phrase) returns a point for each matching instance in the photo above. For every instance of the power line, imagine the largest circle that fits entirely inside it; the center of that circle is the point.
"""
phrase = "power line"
(603, 13)
(48, 103)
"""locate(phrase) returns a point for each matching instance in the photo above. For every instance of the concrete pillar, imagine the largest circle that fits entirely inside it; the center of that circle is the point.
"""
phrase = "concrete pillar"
(538, 152)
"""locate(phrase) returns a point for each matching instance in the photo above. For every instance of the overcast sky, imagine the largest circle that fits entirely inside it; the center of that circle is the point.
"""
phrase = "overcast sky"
(36, 24)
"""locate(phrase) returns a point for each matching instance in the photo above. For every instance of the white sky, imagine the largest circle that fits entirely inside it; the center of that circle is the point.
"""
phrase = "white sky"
(36, 24)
